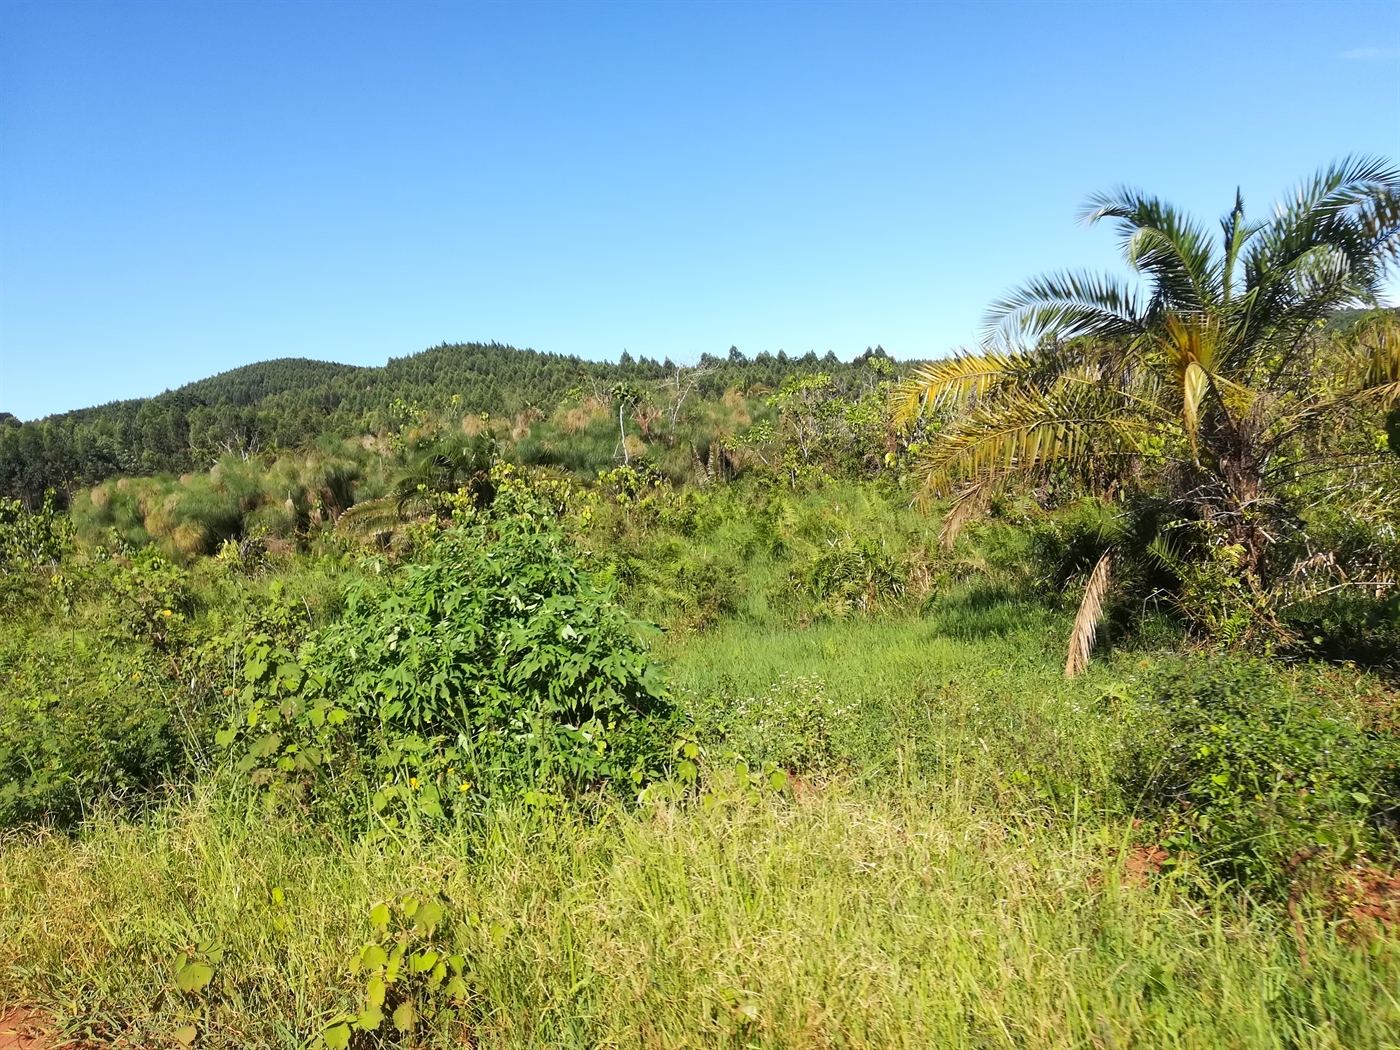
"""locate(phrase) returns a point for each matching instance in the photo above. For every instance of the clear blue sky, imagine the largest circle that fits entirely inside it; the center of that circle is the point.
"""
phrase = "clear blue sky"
(189, 187)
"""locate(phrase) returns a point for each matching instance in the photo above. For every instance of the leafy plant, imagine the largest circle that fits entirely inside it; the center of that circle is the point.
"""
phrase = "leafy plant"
(406, 973)
(1246, 771)
(795, 724)
(81, 722)
(496, 667)
(28, 540)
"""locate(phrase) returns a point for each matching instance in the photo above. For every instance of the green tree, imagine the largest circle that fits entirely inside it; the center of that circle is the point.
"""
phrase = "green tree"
(1218, 370)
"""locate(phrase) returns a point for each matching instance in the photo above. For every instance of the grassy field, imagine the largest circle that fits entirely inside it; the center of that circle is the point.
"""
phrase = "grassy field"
(956, 871)
(432, 724)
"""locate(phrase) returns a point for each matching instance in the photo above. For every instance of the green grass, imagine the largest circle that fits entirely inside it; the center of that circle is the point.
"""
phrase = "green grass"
(974, 690)
(956, 881)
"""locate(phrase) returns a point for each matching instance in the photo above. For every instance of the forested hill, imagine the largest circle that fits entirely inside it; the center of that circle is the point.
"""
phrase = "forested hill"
(291, 402)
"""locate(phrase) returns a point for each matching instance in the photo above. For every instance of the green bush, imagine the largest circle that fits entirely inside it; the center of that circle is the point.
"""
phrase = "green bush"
(1247, 770)
(847, 574)
(497, 667)
(30, 541)
(80, 721)
(153, 599)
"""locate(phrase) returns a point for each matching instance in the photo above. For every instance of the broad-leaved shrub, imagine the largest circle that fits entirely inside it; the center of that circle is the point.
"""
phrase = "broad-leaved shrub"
(80, 721)
(498, 666)
(1247, 770)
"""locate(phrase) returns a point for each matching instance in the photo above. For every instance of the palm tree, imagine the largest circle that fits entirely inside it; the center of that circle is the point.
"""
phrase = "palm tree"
(1215, 371)
(457, 465)
(461, 464)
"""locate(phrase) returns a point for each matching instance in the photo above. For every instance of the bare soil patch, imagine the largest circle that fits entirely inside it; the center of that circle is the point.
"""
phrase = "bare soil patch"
(24, 1029)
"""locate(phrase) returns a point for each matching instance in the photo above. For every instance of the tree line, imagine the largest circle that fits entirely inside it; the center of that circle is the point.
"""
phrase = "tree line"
(290, 403)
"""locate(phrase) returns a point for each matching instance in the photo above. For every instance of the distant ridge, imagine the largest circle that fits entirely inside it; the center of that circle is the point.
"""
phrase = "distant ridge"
(291, 402)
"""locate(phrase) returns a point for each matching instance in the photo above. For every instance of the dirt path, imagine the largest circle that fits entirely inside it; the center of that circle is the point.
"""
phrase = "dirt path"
(22, 1029)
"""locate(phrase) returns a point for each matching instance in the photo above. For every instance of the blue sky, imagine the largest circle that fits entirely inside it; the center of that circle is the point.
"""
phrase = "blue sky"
(189, 187)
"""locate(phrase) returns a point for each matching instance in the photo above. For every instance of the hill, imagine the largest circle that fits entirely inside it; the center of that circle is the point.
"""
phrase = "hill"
(291, 402)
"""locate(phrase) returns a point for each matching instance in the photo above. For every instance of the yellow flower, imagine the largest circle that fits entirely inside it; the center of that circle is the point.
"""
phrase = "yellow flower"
(413, 783)
(466, 786)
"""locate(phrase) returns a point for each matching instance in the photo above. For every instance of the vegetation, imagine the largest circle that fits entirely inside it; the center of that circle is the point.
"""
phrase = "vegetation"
(499, 699)
(288, 404)
(1218, 405)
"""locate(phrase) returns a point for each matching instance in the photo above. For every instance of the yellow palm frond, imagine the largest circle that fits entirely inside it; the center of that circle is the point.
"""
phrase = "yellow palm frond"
(1375, 363)
(955, 381)
(1196, 354)
(1026, 431)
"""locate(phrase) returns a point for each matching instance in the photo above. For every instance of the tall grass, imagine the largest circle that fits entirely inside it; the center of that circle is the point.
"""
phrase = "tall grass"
(832, 920)
(958, 880)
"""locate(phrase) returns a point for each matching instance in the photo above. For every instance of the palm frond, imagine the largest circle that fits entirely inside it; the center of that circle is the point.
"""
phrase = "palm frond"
(971, 503)
(955, 381)
(1067, 305)
(1376, 353)
(370, 518)
(1028, 431)
(1329, 246)
(1237, 235)
(1086, 621)
(1160, 242)
(1196, 354)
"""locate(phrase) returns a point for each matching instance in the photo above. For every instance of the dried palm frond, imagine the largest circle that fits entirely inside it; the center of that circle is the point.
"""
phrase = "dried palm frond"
(971, 502)
(1086, 623)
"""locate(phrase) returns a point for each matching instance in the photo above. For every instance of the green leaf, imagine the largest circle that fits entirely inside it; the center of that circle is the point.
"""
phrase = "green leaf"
(185, 1035)
(379, 916)
(375, 991)
(370, 1019)
(404, 1017)
(429, 915)
(337, 1037)
(374, 956)
(194, 977)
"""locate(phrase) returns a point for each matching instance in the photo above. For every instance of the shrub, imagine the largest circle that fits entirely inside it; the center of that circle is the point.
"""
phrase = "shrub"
(497, 667)
(1248, 770)
(33, 540)
(79, 721)
(153, 599)
(406, 972)
(848, 574)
